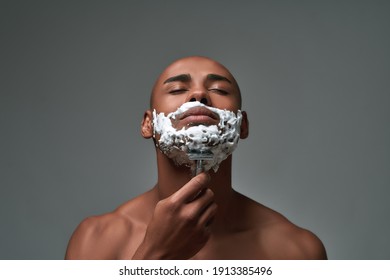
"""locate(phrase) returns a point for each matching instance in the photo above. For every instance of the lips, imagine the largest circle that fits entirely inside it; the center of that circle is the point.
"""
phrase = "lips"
(198, 115)
(198, 112)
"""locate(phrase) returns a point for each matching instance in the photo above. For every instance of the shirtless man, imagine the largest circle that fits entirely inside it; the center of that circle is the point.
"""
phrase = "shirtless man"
(186, 217)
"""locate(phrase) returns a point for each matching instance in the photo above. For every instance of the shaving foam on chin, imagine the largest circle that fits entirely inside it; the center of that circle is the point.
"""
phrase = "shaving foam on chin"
(221, 139)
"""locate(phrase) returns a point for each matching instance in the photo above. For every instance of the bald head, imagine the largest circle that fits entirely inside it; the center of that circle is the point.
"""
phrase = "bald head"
(196, 76)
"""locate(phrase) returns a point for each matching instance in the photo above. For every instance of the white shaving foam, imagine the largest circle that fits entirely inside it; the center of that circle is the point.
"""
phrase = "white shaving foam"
(221, 139)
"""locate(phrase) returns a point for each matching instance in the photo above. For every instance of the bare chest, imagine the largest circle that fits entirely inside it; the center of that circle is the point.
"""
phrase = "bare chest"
(243, 247)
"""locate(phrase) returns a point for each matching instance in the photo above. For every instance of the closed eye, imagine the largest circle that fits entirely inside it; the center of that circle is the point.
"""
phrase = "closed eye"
(177, 91)
(219, 91)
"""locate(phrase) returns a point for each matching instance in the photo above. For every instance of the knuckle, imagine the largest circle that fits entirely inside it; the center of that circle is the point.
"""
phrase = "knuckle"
(189, 217)
(160, 206)
(174, 198)
(167, 205)
(209, 193)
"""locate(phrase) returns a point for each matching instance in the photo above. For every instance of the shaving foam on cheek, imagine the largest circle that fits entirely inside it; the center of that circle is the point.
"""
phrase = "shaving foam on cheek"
(220, 139)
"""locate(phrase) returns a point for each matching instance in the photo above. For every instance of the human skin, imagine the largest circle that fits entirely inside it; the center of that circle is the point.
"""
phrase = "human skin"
(192, 218)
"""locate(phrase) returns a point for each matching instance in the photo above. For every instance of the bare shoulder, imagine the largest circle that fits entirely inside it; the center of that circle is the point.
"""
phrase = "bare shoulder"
(293, 242)
(97, 237)
(109, 236)
(279, 238)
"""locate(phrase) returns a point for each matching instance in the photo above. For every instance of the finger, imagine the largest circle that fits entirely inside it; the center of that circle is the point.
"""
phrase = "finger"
(190, 190)
(201, 202)
(208, 215)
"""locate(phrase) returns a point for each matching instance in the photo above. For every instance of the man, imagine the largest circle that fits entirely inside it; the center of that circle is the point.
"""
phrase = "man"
(187, 215)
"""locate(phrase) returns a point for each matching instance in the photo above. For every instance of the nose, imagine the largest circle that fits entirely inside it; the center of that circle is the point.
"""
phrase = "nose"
(201, 96)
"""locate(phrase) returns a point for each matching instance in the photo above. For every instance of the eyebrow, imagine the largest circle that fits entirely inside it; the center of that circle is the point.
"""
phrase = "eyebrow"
(216, 77)
(179, 78)
(187, 77)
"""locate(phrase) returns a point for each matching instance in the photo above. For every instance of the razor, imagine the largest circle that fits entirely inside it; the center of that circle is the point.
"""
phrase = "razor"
(199, 157)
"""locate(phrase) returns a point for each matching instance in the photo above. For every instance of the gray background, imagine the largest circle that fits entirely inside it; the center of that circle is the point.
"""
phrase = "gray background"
(75, 81)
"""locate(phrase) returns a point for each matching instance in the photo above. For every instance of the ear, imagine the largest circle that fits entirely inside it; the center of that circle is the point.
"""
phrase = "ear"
(244, 130)
(147, 125)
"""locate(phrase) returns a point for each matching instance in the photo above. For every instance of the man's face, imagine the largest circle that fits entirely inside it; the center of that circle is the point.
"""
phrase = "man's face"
(196, 107)
(195, 79)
